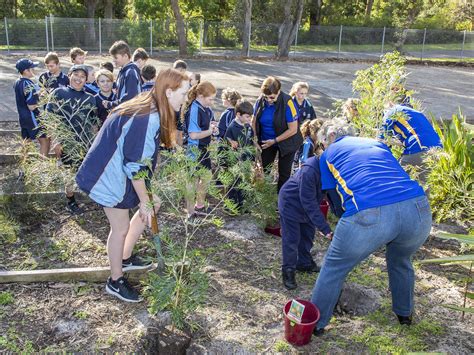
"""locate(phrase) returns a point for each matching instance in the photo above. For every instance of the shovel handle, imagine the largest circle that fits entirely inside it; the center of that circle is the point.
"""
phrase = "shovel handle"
(154, 220)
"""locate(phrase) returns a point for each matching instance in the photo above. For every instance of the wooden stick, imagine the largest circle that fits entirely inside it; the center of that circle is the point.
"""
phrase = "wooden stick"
(15, 158)
(90, 274)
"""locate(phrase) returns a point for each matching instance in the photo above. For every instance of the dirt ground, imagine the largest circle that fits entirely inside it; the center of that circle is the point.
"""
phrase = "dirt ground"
(243, 311)
(443, 90)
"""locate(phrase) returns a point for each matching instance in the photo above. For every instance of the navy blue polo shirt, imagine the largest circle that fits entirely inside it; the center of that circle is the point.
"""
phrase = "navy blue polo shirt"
(305, 110)
(51, 82)
(197, 119)
(412, 128)
(129, 83)
(226, 118)
(365, 174)
(75, 107)
(92, 88)
(239, 133)
(103, 112)
(26, 93)
(148, 85)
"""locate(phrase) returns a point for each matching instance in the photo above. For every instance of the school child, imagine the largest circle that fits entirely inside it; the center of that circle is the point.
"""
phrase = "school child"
(349, 109)
(91, 86)
(128, 81)
(180, 65)
(239, 134)
(26, 95)
(199, 127)
(230, 98)
(148, 76)
(77, 110)
(107, 65)
(78, 56)
(113, 172)
(105, 80)
(53, 78)
(299, 92)
(195, 78)
(309, 130)
(140, 57)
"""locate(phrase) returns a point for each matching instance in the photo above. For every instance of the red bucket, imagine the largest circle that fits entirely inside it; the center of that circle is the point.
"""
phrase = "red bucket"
(300, 333)
(324, 207)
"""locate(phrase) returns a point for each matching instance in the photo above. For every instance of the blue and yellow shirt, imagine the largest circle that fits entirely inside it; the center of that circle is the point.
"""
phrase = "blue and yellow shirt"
(267, 128)
(365, 174)
(305, 110)
(412, 128)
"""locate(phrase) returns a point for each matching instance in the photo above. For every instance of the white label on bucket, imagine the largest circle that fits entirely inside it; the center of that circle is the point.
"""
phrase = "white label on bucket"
(296, 311)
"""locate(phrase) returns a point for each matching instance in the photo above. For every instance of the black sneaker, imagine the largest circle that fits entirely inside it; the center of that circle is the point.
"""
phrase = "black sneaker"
(203, 211)
(74, 208)
(135, 263)
(122, 289)
(405, 320)
(318, 332)
(309, 269)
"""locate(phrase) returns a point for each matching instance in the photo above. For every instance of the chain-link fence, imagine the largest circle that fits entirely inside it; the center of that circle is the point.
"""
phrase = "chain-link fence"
(225, 38)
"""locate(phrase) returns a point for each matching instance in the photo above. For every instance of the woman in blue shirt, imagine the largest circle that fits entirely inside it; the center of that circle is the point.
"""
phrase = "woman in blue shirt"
(113, 171)
(276, 127)
(382, 206)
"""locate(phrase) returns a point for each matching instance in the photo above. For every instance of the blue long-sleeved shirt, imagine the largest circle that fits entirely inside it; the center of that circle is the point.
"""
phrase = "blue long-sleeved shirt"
(300, 196)
(226, 118)
(124, 147)
(26, 93)
(129, 84)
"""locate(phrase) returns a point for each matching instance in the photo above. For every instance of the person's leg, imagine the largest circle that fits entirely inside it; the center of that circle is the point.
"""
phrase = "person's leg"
(119, 226)
(290, 239)
(202, 187)
(134, 231)
(44, 146)
(268, 158)
(284, 168)
(416, 217)
(355, 238)
(305, 260)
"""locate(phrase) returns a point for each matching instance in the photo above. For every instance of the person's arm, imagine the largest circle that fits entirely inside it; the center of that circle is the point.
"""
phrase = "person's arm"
(292, 122)
(309, 197)
(132, 88)
(31, 97)
(223, 124)
(335, 202)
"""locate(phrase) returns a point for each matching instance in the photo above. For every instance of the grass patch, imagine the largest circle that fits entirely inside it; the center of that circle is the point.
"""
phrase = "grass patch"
(369, 274)
(6, 298)
(15, 342)
(281, 346)
(9, 230)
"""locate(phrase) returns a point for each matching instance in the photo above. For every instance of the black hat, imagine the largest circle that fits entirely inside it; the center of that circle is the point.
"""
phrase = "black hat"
(79, 67)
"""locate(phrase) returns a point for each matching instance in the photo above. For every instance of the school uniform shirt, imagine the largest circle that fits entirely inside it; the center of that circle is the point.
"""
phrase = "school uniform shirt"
(300, 196)
(226, 118)
(148, 85)
(267, 128)
(412, 128)
(51, 82)
(197, 119)
(306, 150)
(240, 133)
(365, 174)
(91, 88)
(103, 112)
(76, 108)
(129, 84)
(124, 147)
(305, 110)
(26, 93)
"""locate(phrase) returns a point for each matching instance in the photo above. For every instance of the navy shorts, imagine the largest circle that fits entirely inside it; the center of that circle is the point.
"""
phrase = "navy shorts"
(32, 133)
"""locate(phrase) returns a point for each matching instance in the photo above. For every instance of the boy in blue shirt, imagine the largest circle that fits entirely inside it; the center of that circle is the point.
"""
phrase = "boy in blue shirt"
(54, 77)
(78, 111)
(129, 82)
(148, 76)
(230, 98)
(26, 95)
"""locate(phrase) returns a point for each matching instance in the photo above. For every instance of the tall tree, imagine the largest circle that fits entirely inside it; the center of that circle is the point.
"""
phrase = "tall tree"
(289, 26)
(315, 12)
(180, 29)
(91, 6)
(247, 27)
(368, 9)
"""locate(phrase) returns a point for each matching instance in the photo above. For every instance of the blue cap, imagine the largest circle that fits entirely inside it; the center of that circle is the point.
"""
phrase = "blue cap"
(25, 63)
(77, 67)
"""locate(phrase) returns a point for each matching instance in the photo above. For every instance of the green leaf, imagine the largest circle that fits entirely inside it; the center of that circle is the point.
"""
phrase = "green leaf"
(470, 295)
(463, 238)
(461, 309)
(451, 259)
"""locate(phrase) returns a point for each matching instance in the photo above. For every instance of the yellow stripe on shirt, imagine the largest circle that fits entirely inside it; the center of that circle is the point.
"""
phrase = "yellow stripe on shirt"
(410, 129)
(341, 182)
(291, 104)
(398, 130)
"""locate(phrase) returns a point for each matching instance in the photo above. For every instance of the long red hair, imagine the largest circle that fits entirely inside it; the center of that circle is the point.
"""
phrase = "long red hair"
(156, 100)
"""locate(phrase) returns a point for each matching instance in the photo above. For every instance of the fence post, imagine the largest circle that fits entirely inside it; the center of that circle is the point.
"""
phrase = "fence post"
(151, 37)
(6, 33)
(339, 47)
(47, 34)
(423, 46)
(383, 40)
(462, 47)
(250, 36)
(100, 36)
(52, 32)
(296, 39)
(201, 35)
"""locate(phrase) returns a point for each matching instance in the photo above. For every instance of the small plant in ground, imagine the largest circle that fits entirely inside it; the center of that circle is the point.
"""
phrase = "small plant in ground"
(81, 314)
(8, 230)
(6, 298)
(282, 346)
(451, 172)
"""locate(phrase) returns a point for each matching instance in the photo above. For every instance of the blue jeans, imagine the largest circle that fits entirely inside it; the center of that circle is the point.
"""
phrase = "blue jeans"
(402, 227)
(296, 244)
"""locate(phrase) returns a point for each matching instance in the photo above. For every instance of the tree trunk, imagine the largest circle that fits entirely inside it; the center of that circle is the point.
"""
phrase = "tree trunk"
(90, 12)
(315, 13)
(407, 22)
(109, 9)
(247, 27)
(183, 42)
(287, 30)
(108, 15)
(368, 9)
